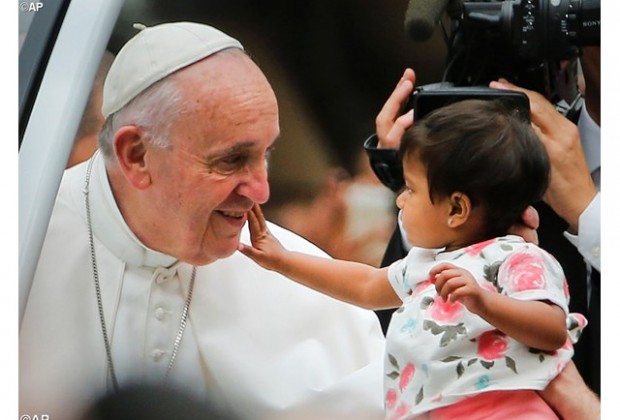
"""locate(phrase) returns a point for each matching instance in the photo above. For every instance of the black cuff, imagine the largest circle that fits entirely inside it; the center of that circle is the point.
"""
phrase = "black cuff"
(385, 163)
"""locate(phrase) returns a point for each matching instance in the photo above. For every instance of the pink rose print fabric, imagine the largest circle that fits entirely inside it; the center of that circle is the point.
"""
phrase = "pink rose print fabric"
(438, 353)
(525, 271)
(446, 311)
(476, 249)
(405, 376)
(530, 273)
(492, 345)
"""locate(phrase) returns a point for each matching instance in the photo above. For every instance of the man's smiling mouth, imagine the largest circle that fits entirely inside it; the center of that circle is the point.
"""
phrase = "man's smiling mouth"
(234, 214)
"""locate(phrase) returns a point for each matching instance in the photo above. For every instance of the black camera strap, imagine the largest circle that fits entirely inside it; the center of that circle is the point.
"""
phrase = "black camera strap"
(385, 163)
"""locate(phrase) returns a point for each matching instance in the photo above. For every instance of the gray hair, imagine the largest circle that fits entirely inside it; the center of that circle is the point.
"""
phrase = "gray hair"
(154, 110)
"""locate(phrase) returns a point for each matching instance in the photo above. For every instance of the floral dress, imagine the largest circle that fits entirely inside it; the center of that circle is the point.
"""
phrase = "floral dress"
(438, 353)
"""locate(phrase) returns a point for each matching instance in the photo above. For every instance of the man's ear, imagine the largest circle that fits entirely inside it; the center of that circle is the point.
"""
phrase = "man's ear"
(460, 209)
(130, 148)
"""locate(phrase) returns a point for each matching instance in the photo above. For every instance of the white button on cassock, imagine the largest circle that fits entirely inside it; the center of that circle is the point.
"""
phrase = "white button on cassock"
(157, 354)
(160, 313)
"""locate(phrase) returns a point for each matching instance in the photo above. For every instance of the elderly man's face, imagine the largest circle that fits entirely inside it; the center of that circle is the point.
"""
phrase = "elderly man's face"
(217, 167)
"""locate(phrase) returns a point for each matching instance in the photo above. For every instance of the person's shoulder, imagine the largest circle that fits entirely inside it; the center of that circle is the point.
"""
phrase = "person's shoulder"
(294, 241)
(499, 248)
(516, 244)
(289, 239)
(510, 244)
(71, 188)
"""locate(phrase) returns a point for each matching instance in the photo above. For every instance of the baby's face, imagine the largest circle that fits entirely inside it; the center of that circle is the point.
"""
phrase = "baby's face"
(425, 222)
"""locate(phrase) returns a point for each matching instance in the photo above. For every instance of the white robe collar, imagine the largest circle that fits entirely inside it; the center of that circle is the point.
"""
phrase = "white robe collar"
(110, 227)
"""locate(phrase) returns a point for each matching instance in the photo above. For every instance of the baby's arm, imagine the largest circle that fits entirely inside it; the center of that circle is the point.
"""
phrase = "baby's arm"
(536, 324)
(352, 282)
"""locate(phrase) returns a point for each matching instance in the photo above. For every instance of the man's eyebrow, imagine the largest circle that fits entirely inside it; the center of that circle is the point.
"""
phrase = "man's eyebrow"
(235, 148)
(239, 147)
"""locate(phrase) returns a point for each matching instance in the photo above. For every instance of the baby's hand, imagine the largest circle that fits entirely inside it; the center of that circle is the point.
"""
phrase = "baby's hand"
(265, 249)
(457, 284)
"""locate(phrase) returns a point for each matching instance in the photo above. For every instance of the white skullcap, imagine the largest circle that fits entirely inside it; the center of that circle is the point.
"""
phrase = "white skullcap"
(156, 52)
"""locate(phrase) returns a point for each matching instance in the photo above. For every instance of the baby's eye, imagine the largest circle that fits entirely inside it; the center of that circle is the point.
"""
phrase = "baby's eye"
(405, 190)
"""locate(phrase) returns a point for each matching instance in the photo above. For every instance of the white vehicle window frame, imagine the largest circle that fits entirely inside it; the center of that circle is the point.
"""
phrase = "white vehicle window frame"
(53, 122)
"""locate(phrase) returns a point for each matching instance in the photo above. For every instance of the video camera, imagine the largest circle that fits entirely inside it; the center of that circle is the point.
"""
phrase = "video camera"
(534, 30)
(532, 43)
(387, 164)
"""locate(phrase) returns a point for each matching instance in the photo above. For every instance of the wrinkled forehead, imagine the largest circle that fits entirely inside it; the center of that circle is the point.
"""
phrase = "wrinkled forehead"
(227, 99)
(227, 81)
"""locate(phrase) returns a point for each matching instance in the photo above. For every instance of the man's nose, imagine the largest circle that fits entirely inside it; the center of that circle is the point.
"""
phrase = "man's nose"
(255, 185)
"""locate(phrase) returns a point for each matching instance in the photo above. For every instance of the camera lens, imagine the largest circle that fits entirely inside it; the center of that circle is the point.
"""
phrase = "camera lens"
(537, 29)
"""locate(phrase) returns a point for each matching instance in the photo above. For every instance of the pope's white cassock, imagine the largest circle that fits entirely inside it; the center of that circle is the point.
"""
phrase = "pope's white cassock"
(262, 345)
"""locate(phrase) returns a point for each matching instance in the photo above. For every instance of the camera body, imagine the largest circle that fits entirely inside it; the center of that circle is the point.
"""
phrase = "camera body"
(533, 43)
(426, 99)
(536, 30)
(387, 164)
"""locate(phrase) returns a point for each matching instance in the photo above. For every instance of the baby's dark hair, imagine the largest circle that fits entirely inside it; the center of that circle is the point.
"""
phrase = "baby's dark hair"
(485, 150)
